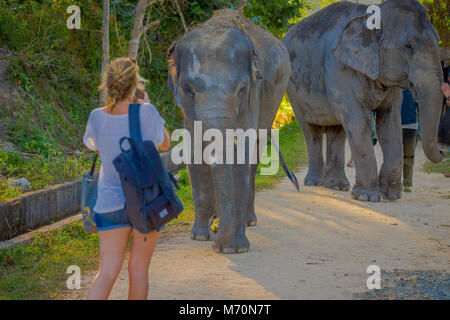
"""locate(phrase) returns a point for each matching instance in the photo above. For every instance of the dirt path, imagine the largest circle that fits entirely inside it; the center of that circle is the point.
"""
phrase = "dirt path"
(313, 244)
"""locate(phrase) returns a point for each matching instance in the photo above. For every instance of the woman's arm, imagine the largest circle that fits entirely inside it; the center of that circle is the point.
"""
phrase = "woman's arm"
(165, 145)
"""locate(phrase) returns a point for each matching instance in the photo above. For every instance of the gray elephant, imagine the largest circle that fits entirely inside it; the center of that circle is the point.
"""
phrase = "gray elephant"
(342, 71)
(227, 73)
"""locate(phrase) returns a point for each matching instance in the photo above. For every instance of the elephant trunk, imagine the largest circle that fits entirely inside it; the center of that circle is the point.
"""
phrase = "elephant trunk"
(223, 177)
(223, 185)
(429, 98)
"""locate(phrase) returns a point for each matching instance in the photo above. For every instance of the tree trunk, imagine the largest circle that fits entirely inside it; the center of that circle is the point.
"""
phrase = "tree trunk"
(177, 5)
(105, 47)
(242, 5)
(137, 28)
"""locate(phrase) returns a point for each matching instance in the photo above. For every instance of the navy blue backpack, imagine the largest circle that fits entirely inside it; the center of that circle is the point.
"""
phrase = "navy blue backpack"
(151, 201)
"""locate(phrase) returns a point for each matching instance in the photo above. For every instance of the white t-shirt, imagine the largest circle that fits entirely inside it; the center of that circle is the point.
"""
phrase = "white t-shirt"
(103, 132)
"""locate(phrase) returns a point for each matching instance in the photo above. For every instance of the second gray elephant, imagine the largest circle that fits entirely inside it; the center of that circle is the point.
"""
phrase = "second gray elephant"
(229, 74)
(342, 72)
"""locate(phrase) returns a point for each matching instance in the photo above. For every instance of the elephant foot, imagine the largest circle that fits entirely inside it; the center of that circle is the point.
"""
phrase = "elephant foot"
(237, 245)
(251, 219)
(200, 232)
(366, 194)
(312, 179)
(391, 191)
(337, 183)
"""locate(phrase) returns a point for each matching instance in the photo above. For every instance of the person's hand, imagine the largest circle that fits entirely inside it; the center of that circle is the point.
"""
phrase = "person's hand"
(146, 98)
(446, 90)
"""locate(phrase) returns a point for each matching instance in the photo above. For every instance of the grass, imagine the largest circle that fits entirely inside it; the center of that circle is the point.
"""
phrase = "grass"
(293, 147)
(37, 270)
(441, 167)
(40, 171)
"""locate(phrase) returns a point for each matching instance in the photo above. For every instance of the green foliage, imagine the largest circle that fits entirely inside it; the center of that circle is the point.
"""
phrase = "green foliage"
(439, 14)
(275, 16)
(185, 195)
(38, 170)
(8, 191)
(293, 147)
(38, 269)
(441, 167)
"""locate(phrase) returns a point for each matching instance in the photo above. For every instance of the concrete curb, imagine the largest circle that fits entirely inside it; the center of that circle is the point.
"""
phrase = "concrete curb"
(38, 208)
(27, 237)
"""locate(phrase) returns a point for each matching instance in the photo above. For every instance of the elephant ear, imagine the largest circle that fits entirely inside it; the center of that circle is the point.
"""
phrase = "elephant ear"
(358, 48)
(172, 79)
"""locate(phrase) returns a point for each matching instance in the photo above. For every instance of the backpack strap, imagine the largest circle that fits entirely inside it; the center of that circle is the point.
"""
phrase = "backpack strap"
(134, 122)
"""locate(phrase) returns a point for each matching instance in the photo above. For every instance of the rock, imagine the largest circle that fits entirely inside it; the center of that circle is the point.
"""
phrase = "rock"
(7, 146)
(22, 182)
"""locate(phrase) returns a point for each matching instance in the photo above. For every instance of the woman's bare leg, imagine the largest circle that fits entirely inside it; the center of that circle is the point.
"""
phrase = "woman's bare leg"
(113, 245)
(138, 263)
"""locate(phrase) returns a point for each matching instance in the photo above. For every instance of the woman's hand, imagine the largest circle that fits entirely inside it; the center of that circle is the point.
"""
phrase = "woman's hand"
(446, 90)
(146, 98)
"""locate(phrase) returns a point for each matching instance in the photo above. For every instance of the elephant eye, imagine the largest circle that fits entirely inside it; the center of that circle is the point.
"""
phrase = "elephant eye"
(189, 91)
(408, 46)
(242, 91)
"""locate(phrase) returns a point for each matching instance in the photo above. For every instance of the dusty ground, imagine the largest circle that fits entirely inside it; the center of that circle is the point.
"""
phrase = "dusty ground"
(314, 244)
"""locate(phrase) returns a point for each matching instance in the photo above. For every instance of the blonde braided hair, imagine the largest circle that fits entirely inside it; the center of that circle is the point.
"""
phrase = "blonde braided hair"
(120, 80)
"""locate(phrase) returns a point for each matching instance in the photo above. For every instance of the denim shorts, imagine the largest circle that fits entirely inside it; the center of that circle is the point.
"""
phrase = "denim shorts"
(114, 220)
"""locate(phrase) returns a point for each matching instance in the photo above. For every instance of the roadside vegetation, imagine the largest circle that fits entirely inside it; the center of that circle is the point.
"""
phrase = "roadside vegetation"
(57, 72)
(441, 167)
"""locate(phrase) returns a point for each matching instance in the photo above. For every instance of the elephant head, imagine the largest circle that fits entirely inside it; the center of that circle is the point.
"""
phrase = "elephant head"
(215, 77)
(403, 53)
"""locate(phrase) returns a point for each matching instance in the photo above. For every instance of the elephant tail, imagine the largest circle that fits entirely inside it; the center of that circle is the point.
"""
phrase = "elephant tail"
(289, 173)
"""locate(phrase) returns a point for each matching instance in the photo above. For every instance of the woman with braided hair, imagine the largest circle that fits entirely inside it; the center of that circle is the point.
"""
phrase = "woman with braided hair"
(105, 127)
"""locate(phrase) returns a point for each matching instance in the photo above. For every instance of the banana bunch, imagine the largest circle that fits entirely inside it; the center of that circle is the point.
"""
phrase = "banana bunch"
(215, 225)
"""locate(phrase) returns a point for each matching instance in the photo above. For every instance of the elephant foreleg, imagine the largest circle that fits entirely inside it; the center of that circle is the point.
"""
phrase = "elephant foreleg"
(357, 122)
(389, 134)
(204, 200)
(239, 243)
(334, 177)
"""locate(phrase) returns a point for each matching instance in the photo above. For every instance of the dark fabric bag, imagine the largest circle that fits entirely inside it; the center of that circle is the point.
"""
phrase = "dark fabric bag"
(151, 201)
(89, 198)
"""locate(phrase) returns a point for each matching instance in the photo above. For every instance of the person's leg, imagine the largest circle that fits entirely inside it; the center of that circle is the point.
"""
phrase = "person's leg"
(138, 263)
(113, 244)
(409, 146)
